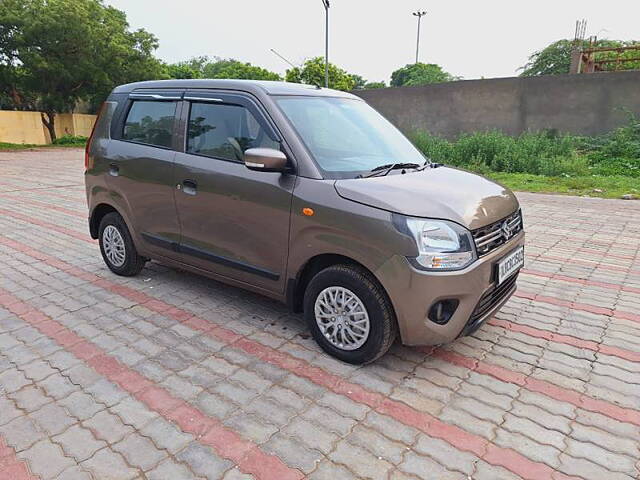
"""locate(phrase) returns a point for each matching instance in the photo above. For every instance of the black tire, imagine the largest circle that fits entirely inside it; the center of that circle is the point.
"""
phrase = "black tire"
(133, 263)
(383, 326)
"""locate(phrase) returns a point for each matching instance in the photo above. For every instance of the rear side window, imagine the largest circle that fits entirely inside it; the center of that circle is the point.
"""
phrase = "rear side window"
(225, 131)
(150, 123)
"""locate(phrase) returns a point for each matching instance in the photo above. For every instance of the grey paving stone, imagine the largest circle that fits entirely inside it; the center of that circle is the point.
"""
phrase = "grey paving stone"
(169, 469)
(46, 459)
(166, 435)
(79, 443)
(203, 461)
(426, 468)
(81, 405)
(107, 426)
(377, 444)
(446, 455)
(329, 419)
(139, 451)
(251, 427)
(13, 380)
(106, 392)
(343, 405)
(74, 473)
(30, 398)
(106, 464)
(134, 413)
(57, 386)
(37, 370)
(312, 435)
(215, 405)
(391, 428)
(363, 463)
(8, 411)
(21, 433)
(293, 453)
(53, 419)
(328, 470)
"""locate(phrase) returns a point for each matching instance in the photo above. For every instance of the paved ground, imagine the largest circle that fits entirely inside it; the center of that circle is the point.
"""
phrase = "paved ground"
(170, 376)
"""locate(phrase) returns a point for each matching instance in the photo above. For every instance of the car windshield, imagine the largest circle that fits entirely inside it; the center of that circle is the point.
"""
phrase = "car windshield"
(346, 136)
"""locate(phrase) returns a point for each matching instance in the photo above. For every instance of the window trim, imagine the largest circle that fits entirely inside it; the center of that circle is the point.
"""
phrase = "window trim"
(256, 111)
(132, 99)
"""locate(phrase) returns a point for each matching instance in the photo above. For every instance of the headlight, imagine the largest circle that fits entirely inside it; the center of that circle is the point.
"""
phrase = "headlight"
(442, 245)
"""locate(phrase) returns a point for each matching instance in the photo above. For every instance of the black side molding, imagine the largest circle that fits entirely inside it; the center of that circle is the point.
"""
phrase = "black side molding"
(206, 255)
(160, 242)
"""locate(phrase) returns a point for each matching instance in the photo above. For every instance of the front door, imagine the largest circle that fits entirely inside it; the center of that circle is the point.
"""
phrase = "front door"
(234, 221)
(141, 162)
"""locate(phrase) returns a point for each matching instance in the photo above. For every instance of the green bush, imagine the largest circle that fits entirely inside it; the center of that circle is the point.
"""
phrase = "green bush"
(542, 153)
(70, 140)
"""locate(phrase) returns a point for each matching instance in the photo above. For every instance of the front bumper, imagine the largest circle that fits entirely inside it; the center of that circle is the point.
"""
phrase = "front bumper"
(413, 292)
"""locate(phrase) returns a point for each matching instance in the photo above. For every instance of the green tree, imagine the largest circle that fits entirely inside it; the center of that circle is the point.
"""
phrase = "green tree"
(57, 52)
(192, 68)
(359, 82)
(420, 74)
(555, 59)
(375, 85)
(216, 67)
(230, 68)
(313, 73)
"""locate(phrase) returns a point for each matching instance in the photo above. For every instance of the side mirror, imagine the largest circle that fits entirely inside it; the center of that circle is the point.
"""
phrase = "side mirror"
(265, 160)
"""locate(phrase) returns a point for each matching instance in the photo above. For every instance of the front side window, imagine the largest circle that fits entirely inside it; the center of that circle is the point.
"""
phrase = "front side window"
(347, 137)
(150, 123)
(225, 131)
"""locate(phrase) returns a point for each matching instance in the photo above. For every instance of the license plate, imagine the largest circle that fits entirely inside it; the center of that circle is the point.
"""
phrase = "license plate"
(510, 264)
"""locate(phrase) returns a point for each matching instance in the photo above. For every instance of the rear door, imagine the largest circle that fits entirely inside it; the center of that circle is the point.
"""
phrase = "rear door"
(235, 221)
(141, 168)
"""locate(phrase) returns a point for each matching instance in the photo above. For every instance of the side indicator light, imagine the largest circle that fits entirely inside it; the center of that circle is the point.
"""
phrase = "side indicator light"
(308, 211)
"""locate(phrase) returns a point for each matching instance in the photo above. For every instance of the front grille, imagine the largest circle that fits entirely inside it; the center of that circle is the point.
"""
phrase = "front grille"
(492, 297)
(492, 236)
(489, 300)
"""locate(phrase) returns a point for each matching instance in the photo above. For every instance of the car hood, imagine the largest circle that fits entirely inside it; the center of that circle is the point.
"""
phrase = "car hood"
(445, 193)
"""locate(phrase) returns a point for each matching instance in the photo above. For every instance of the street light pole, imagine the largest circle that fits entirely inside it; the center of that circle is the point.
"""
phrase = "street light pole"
(326, 43)
(418, 14)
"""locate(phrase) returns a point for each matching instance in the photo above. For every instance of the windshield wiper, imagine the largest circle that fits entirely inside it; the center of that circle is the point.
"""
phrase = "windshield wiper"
(383, 170)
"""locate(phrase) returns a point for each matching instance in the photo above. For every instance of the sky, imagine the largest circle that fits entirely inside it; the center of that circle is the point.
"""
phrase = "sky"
(471, 39)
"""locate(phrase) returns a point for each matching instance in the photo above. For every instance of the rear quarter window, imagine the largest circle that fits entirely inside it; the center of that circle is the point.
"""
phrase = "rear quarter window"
(150, 123)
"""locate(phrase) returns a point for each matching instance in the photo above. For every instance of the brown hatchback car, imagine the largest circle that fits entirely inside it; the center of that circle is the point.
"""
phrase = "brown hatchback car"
(306, 195)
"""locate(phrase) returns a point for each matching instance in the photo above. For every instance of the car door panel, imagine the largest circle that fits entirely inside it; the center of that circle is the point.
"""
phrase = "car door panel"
(234, 221)
(140, 176)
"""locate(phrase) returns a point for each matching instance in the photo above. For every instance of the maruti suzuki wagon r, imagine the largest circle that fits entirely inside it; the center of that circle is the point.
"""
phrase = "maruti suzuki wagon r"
(306, 195)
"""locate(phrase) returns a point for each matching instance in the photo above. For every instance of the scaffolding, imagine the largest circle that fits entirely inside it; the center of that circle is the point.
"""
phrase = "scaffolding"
(591, 58)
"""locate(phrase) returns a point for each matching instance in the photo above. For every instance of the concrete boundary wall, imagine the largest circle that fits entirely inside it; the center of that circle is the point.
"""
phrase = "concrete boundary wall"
(585, 104)
(27, 127)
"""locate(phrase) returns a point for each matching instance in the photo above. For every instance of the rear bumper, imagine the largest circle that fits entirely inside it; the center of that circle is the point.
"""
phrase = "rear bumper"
(413, 292)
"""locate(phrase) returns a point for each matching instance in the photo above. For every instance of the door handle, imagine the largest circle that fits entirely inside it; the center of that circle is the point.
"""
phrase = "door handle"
(114, 169)
(190, 187)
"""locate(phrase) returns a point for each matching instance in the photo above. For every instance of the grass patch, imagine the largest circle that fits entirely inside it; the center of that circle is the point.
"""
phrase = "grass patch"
(70, 141)
(613, 186)
(603, 166)
(27, 146)
(17, 146)
(545, 153)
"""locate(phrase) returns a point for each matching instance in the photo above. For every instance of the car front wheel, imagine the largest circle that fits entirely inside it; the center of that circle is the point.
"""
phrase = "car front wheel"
(349, 314)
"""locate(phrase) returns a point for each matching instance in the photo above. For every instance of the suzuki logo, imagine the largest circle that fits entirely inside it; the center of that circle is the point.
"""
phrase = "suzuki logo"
(506, 230)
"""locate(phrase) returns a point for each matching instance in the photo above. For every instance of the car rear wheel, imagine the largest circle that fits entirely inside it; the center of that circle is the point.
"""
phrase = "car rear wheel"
(117, 248)
(349, 314)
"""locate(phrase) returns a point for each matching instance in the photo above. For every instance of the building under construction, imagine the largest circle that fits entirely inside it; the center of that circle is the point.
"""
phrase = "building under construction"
(589, 57)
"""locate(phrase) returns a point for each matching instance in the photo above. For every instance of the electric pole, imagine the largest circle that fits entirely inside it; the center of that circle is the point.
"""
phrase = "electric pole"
(418, 14)
(326, 43)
